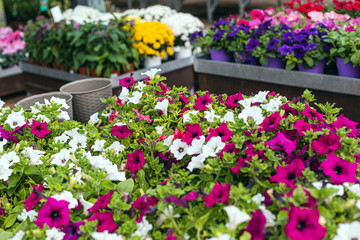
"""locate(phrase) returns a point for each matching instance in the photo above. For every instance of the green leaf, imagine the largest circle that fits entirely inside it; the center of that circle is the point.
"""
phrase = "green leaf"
(10, 220)
(161, 147)
(13, 180)
(309, 61)
(6, 235)
(31, 170)
(126, 186)
(200, 222)
(245, 236)
(142, 180)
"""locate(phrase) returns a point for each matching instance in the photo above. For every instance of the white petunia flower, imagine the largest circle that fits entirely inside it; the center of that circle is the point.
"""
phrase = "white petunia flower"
(99, 145)
(62, 157)
(260, 97)
(236, 217)
(64, 115)
(273, 105)
(98, 161)
(340, 189)
(222, 237)
(136, 97)
(246, 102)
(114, 174)
(116, 147)
(317, 185)
(105, 235)
(94, 118)
(78, 141)
(18, 236)
(33, 154)
(54, 234)
(2, 103)
(179, 149)
(162, 106)
(210, 116)
(270, 217)
(151, 73)
(168, 141)
(67, 196)
(8, 159)
(124, 95)
(348, 231)
(32, 215)
(61, 139)
(252, 113)
(5, 172)
(196, 162)
(213, 147)
(143, 228)
(60, 101)
(2, 144)
(159, 129)
(15, 119)
(187, 116)
(228, 117)
(140, 85)
(258, 198)
(196, 146)
(355, 188)
(86, 205)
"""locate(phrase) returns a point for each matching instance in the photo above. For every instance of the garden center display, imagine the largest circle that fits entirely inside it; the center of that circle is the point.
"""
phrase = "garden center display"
(159, 163)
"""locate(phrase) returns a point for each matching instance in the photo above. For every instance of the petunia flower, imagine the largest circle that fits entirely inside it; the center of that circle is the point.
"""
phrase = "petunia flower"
(39, 129)
(196, 146)
(312, 114)
(135, 161)
(236, 217)
(192, 131)
(54, 213)
(222, 131)
(202, 102)
(256, 225)
(196, 162)
(151, 73)
(105, 235)
(72, 230)
(102, 202)
(127, 81)
(121, 131)
(339, 170)
(304, 223)
(233, 100)
(33, 198)
(301, 127)
(220, 193)
(288, 174)
(162, 106)
(178, 149)
(348, 231)
(54, 234)
(213, 147)
(271, 123)
(252, 113)
(142, 117)
(281, 143)
(171, 236)
(143, 204)
(326, 143)
(210, 116)
(105, 221)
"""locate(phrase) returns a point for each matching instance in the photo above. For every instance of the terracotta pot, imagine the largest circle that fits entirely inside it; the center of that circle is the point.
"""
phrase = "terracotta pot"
(55, 66)
(93, 73)
(117, 72)
(131, 69)
(43, 64)
(83, 71)
(62, 67)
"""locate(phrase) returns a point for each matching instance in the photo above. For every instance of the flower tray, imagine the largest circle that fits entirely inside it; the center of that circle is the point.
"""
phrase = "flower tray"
(42, 79)
(226, 77)
(11, 81)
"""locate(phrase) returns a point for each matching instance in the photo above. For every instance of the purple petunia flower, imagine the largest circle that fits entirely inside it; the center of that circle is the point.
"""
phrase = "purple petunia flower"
(287, 38)
(252, 44)
(273, 44)
(218, 35)
(221, 22)
(311, 46)
(230, 37)
(299, 51)
(312, 31)
(289, 173)
(196, 35)
(72, 230)
(285, 50)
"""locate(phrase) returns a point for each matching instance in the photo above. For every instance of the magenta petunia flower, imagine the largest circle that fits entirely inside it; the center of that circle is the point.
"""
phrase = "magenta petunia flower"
(121, 131)
(251, 152)
(2, 212)
(220, 193)
(229, 148)
(135, 161)
(127, 81)
(54, 213)
(164, 89)
(142, 117)
(312, 114)
(233, 100)
(289, 110)
(222, 131)
(271, 123)
(33, 199)
(171, 236)
(256, 225)
(339, 170)
(240, 164)
(39, 129)
(192, 131)
(281, 143)
(102, 202)
(288, 174)
(183, 201)
(72, 231)
(302, 126)
(143, 204)
(202, 102)
(326, 143)
(105, 221)
(311, 201)
(184, 100)
(304, 224)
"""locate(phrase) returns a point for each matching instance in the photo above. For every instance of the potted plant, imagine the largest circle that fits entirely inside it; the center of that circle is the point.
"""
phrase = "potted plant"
(12, 47)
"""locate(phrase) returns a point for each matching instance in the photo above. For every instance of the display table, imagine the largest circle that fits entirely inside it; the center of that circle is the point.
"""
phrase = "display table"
(11, 81)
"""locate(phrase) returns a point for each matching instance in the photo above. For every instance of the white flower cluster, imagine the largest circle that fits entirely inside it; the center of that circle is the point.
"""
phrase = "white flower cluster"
(83, 14)
(152, 13)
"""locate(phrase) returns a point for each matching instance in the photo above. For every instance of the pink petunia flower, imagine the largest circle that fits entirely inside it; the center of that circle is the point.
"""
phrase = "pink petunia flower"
(281, 143)
(271, 123)
(222, 131)
(39, 129)
(54, 213)
(342, 121)
(289, 173)
(121, 131)
(135, 161)
(256, 225)
(183, 201)
(171, 236)
(301, 127)
(105, 221)
(143, 204)
(202, 102)
(257, 14)
(192, 131)
(304, 223)
(127, 82)
(229, 148)
(33, 199)
(339, 170)
(326, 143)
(233, 100)
(220, 193)
(142, 117)
(289, 110)
(102, 202)
(312, 114)
(240, 164)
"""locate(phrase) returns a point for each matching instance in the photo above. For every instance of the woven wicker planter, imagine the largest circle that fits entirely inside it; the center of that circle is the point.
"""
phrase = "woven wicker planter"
(86, 96)
(30, 101)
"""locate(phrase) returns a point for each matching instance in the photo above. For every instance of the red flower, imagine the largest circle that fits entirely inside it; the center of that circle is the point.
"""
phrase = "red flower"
(121, 131)
(304, 224)
(39, 129)
(33, 199)
(220, 193)
(256, 225)
(135, 161)
(257, 14)
(105, 221)
(143, 204)
(102, 202)
(326, 143)
(54, 213)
